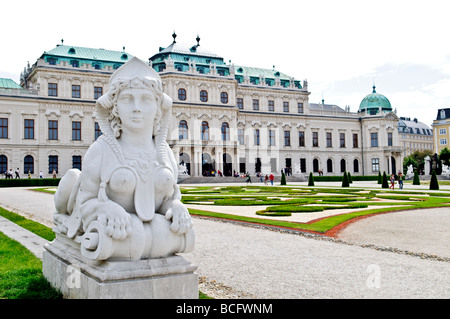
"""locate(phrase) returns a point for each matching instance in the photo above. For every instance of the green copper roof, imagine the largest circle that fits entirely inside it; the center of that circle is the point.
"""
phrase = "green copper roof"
(72, 52)
(9, 84)
(374, 101)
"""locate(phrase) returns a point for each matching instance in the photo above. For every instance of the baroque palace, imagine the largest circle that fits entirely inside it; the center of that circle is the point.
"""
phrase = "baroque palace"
(227, 118)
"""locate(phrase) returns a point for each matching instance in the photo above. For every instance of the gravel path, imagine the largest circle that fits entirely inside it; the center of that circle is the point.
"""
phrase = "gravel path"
(269, 264)
(236, 261)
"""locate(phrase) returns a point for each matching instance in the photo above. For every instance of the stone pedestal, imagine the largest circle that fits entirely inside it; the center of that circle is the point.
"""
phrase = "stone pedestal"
(78, 278)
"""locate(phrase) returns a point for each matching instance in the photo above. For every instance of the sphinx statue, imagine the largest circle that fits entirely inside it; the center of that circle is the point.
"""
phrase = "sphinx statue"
(125, 203)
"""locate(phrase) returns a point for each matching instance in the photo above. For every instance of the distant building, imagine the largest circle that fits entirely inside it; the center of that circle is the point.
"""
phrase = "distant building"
(225, 117)
(441, 129)
(414, 136)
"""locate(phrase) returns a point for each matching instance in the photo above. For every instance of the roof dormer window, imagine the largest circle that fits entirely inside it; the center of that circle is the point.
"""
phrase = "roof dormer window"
(72, 51)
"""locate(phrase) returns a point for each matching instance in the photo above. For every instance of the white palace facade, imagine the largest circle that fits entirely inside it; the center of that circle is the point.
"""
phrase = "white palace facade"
(226, 118)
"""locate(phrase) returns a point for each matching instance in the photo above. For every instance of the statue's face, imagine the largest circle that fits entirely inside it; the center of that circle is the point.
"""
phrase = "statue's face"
(137, 109)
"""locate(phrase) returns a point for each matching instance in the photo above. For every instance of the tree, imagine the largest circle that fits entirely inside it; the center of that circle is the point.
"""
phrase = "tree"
(416, 180)
(380, 178)
(311, 179)
(345, 182)
(283, 179)
(384, 183)
(444, 156)
(434, 182)
(417, 159)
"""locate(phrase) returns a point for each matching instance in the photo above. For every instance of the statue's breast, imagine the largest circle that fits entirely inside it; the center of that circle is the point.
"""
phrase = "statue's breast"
(122, 181)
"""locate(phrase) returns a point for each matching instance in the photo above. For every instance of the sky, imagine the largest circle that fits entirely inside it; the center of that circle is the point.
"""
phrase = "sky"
(340, 47)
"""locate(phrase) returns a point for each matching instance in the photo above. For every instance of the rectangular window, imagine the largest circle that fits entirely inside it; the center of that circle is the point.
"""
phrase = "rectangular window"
(286, 107)
(3, 128)
(329, 140)
(374, 139)
(375, 165)
(342, 139)
(301, 138)
(442, 131)
(97, 131)
(389, 139)
(300, 107)
(256, 136)
(52, 164)
(98, 91)
(355, 140)
(315, 139)
(240, 103)
(76, 91)
(255, 104)
(443, 141)
(52, 89)
(52, 130)
(271, 138)
(241, 136)
(76, 162)
(29, 129)
(76, 131)
(287, 138)
(271, 106)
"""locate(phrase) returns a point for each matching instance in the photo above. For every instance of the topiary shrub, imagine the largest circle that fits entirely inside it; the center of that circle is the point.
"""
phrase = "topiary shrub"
(416, 180)
(434, 182)
(384, 183)
(311, 179)
(350, 180)
(345, 182)
(380, 178)
(283, 179)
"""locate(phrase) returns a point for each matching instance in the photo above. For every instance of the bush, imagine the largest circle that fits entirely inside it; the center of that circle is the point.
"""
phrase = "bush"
(311, 179)
(416, 180)
(380, 178)
(25, 182)
(283, 179)
(384, 183)
(434, 182)
(345, 182)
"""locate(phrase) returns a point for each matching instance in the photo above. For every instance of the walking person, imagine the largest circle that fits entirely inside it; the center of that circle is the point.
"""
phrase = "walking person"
(271, 179)
(400, 180)
(392, 182)
(17, 173)
(249, 180)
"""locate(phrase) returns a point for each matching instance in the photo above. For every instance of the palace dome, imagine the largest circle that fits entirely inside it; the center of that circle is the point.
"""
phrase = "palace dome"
(373, 102)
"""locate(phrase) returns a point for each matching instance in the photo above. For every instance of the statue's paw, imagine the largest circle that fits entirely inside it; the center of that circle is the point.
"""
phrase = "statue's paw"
(117, 226)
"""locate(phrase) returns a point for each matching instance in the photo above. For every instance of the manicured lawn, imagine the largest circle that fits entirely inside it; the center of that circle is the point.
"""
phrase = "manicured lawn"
(285, 201)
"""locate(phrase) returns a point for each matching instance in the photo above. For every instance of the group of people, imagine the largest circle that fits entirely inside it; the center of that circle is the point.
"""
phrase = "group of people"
(400, 181)
(267, 178)
(9, 174)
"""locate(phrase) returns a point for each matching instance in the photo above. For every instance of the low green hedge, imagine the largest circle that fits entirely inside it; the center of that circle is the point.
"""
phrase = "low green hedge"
(339, 178)
(25, 182)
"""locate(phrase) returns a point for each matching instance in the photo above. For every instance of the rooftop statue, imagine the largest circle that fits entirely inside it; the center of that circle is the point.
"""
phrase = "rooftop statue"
(125, 204)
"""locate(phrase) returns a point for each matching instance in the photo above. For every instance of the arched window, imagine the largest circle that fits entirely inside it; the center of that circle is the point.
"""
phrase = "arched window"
(343, 166)
(182, 94)
(329, 165)
(315, 165)
(224, 97)
(205, 131)
(3, 164)
(28, 164)
(183, 130)
(225, 131)
(204, 96)
(355, 166)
